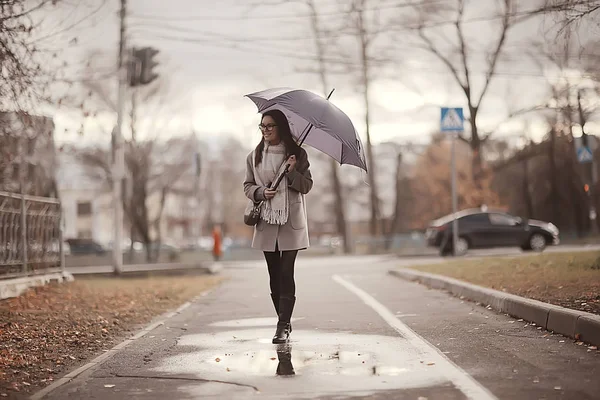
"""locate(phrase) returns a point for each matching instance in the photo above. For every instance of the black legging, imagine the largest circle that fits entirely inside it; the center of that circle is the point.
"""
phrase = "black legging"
(281, 272)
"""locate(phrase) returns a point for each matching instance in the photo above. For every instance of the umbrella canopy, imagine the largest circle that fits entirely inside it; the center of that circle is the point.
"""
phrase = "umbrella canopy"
(329, 129)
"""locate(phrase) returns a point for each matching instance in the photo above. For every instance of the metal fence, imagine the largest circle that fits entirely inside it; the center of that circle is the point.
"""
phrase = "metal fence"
(31, 240)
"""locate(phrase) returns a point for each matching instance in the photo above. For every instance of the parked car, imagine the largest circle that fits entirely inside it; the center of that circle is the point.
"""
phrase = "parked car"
(85, 247)
(479, 229)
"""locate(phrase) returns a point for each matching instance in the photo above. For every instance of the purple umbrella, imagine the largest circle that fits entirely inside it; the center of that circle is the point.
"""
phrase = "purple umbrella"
(316, 122)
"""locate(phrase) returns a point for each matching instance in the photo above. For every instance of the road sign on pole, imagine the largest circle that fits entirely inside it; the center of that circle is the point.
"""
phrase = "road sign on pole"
(452, 120)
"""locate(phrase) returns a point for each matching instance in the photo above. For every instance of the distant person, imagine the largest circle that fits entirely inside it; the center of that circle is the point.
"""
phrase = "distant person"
(217, 242)
(282, 229)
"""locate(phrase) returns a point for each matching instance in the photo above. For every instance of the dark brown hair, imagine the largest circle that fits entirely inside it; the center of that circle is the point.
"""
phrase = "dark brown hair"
(285, 134)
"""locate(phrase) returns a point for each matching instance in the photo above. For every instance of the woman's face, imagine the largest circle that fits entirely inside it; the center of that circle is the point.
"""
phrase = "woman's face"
(269, 130)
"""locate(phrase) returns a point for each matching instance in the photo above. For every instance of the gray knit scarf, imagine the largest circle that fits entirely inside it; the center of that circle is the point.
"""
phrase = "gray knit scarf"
(276, 210)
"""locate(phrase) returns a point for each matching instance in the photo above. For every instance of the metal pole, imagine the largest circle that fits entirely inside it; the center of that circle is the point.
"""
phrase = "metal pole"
(119, 161)
(22, 172)
(454, 196)
(61, 238)
(24, 230)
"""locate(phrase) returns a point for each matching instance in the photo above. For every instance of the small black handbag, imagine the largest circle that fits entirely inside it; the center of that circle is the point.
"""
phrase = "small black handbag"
(252, 216)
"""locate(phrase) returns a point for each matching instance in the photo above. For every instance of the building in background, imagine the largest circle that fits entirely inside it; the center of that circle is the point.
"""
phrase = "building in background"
(27, 154)
(87, 205)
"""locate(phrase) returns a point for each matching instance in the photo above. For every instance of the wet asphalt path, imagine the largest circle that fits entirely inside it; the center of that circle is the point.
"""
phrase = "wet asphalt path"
(358, 333)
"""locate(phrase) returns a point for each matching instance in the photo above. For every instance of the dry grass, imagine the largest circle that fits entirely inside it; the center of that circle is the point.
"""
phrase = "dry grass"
(50, 330)
(568, 279)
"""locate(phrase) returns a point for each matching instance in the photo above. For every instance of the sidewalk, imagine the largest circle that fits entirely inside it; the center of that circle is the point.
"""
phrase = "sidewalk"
(356, 333)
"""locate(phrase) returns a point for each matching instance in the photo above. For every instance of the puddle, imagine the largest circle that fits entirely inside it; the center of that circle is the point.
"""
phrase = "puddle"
(249, 322)
(314, 362)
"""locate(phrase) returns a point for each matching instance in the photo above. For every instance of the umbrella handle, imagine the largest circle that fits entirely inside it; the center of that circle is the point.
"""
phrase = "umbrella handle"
(274, 185)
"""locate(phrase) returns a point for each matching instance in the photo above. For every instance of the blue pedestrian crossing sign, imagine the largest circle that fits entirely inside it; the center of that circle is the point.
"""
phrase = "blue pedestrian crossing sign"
(452, 120)
(584, 155)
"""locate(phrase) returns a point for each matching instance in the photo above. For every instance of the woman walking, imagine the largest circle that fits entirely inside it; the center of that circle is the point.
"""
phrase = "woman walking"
(282, 229)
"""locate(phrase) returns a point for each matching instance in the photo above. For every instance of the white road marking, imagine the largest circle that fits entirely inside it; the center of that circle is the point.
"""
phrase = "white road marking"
(461, 379)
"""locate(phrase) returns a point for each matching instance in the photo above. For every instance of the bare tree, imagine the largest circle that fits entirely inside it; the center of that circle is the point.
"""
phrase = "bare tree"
(322, 70)
(403, 197)
(221, 178)
(461, 68)
(366, 25)
(154, 166)
(571, 12)
(20, 68)
(29, 61)
(431, 183)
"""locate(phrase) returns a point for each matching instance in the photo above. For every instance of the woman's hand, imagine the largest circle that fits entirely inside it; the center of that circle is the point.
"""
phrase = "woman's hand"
(292, 162)
(269, 194)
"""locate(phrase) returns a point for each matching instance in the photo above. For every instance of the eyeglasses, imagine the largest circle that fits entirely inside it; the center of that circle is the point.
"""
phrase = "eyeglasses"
(268, 128)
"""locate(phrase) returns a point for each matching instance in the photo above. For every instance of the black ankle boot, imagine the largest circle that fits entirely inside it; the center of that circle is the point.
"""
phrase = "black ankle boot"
(275, 299)
(284, 327)
(282, 333)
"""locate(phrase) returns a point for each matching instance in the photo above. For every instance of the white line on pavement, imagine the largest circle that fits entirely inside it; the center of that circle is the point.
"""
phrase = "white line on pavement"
(461, 379)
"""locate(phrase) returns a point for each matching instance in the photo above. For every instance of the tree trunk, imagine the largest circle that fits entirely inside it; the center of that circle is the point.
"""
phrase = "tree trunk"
(526, 191)
(398, 204)
(340, 217)
(554, 184)
(158, 220)
(374, 196)
(148, 247)
(131, 242)
(477, 158)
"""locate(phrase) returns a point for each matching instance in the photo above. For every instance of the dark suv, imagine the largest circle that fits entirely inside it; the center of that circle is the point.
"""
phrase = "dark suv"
(479, 229)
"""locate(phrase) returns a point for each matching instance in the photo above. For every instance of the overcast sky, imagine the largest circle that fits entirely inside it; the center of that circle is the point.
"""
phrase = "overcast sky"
(212, 53)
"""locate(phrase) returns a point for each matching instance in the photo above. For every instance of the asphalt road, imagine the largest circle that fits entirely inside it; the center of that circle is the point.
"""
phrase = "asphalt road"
(358, 333)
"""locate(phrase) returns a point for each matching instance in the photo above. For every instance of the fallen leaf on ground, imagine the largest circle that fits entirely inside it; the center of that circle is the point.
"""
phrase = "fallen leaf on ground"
(76, 314)
(109, 386)
(217, 359)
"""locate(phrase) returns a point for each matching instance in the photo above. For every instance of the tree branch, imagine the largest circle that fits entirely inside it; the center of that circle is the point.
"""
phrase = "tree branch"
(463, 49)
(496, 54)
(442, 58)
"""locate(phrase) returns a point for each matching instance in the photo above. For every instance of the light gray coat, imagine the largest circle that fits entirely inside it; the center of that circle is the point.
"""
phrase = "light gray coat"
(294, 234)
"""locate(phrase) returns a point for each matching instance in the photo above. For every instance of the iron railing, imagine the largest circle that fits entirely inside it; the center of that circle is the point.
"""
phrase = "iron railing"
(31, 241)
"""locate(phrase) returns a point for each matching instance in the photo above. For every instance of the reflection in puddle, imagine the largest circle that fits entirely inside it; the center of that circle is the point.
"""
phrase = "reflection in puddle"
(285, 366)
(339, 362)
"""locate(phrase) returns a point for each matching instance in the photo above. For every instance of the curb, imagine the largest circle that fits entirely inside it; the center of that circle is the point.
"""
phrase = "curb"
(108, 354)
(16, 286)
(144, 269)
(578, 325)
